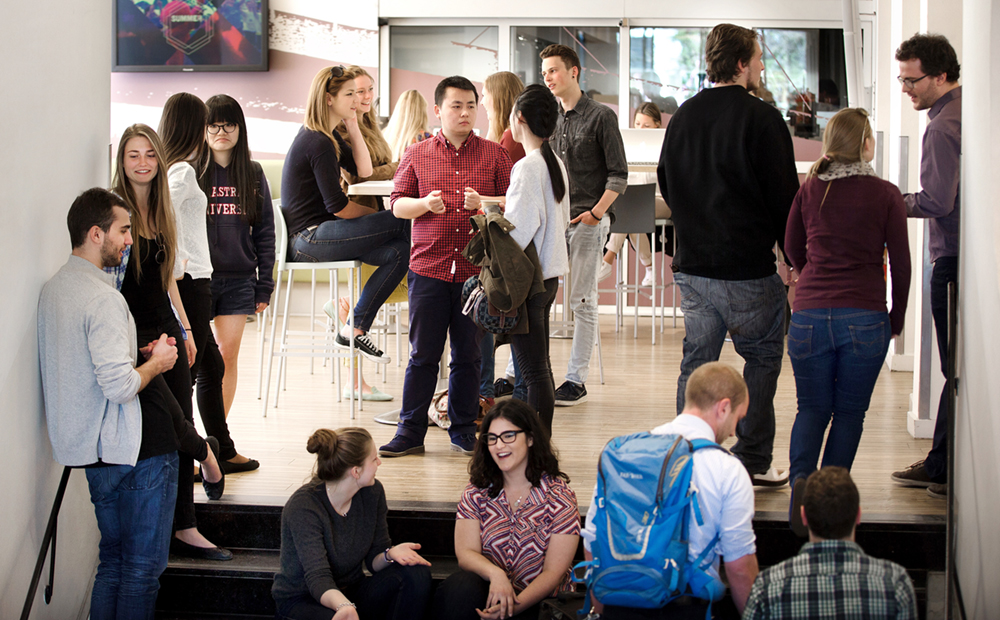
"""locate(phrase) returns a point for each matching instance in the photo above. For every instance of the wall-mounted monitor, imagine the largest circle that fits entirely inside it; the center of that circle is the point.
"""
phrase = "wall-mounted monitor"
(190, 35)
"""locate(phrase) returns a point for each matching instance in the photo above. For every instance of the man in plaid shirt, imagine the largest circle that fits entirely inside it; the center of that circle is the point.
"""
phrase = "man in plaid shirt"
(831, 577)
(439, 184)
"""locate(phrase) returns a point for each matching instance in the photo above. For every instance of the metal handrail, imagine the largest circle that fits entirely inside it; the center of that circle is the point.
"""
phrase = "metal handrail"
(49, 538)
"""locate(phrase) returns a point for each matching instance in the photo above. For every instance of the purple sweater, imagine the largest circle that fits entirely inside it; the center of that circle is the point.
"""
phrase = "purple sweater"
(838, 250)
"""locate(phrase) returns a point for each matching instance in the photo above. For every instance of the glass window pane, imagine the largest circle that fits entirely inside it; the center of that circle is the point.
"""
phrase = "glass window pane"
(804, 73)
(421, 56)
(597, 47)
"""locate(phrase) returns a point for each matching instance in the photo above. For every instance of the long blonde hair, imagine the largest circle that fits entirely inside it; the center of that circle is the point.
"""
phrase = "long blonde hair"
(504, 89)
(843, 140)
(408, 120)
(317, 112)
(378, 148)
(159, 207)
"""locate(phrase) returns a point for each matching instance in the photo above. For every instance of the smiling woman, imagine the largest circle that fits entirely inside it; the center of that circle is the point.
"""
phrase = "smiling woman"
(507, 571)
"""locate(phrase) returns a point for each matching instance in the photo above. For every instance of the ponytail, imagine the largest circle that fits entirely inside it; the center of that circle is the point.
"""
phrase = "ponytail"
(539, 110)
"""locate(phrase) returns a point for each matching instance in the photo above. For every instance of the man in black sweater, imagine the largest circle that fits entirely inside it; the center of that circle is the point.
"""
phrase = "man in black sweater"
(727, 171)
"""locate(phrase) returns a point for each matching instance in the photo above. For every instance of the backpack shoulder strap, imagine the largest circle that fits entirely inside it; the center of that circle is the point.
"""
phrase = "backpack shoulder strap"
(697, 444)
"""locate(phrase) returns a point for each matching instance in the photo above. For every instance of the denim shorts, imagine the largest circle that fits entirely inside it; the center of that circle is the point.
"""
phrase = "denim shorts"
(233, 296)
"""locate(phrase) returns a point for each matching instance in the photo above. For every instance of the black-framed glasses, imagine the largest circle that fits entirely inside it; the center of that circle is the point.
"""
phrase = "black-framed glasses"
(161, 252)
(226, 127)
(335, 72)
(909, 83)
(506, 437)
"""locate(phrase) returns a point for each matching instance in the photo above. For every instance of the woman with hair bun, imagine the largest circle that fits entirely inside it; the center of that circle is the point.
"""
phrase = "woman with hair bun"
(518, 523)
(333, 526)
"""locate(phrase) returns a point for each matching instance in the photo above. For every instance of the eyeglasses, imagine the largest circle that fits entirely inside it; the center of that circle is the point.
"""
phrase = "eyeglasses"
(335, 72)
(909, 83)
(506, 437)
(161, 252)
(226, 127)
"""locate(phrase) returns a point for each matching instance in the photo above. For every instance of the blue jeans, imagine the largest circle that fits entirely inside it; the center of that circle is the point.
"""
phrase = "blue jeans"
(435, 314)
(377, 239)
(134, 508)
(586, 250)
(837, 354)
(753, 311)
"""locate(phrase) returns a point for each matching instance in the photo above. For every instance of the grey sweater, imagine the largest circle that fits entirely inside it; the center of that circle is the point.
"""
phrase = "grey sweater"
(321, 550)
(87, 353)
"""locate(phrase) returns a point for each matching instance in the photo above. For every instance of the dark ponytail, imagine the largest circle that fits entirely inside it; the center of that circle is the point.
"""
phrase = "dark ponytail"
(539, 110)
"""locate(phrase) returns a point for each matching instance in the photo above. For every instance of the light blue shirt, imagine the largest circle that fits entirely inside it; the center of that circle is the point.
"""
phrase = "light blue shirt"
(725, 497)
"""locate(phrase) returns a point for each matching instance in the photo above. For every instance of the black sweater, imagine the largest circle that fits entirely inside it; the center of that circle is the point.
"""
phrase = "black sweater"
(321, 550)
(239, 250)
(310, 180)
(727, 170)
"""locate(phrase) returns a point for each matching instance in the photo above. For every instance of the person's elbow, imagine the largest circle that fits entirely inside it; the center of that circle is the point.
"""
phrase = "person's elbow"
(122, 390)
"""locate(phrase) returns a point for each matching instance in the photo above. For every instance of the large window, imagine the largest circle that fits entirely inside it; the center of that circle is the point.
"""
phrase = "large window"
(804, 74)
(421, 56)
(597, 48)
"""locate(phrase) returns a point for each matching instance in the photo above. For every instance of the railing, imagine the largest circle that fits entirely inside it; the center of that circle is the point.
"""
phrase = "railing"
(47, 540)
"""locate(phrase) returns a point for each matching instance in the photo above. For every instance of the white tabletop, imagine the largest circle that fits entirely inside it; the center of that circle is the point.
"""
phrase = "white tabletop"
(370, 188)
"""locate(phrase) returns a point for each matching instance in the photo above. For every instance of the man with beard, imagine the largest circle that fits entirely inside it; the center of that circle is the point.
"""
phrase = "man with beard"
(727, 170)
(107, 415)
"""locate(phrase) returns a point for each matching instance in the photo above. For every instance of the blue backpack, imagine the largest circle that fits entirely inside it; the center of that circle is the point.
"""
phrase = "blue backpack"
(644, 500)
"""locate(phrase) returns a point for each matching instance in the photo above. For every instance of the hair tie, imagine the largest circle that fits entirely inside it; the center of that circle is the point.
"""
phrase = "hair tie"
(826, 157)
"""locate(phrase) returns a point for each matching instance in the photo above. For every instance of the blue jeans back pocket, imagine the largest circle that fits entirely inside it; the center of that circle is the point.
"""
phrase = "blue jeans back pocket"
(799, 340)
(869, 340)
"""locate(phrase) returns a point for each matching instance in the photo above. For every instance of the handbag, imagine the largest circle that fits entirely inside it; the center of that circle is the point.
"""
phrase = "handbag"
(484, 314)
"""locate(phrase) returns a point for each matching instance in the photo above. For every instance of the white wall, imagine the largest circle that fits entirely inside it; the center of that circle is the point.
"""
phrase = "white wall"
(54, 123)
(977, 467)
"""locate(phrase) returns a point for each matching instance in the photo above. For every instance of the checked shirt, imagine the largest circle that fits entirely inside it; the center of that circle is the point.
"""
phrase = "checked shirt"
(832, 579)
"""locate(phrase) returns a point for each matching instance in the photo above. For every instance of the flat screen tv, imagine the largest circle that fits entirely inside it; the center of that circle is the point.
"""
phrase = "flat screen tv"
(190, 35)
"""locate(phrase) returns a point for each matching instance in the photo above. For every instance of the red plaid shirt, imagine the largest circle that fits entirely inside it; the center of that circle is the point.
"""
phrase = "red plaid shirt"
(438, 239)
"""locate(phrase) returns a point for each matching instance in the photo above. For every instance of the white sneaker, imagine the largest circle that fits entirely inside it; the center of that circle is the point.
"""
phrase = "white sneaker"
(648, 280)
(773, 477)
(605, 271)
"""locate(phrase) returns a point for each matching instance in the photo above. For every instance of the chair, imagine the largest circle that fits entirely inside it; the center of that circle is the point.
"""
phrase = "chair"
(635, 213)
(306, 343)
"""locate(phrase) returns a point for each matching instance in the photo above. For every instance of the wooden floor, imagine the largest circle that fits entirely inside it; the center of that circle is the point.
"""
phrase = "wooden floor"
(638, 394)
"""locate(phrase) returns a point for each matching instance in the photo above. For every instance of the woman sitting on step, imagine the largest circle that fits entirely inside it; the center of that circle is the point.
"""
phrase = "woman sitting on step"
(518, 524)
(333, 526)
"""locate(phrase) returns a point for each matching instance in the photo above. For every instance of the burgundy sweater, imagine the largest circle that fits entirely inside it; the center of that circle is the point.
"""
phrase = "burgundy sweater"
(838, 250)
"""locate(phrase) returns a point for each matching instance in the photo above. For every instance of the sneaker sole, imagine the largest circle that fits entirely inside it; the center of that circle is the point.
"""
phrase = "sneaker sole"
(378, 359)
(769, 484)
(570, 403)
(907, 482)
(408, 451)
(937, 495)
(461, 450)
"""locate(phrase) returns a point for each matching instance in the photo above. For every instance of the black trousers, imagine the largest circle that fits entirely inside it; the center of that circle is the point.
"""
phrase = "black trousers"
(208, 368)
(461, 594)
(945, 271)
(394, 593)
(532, 353)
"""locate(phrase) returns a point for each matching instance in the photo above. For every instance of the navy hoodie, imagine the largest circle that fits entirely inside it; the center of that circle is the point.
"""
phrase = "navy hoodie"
(239, 250)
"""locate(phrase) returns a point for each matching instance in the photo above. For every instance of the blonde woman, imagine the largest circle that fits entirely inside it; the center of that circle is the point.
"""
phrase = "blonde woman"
(408, 124)
(323, 224)
(843, 219)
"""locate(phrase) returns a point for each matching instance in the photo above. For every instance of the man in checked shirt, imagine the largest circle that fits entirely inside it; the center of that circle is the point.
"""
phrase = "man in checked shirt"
(439, 184)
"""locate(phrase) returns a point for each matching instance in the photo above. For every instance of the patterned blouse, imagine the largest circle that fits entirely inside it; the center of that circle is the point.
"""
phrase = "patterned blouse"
(516, 540)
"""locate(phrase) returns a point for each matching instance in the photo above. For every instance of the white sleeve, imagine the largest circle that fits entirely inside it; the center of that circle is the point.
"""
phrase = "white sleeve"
(736, 537)
(589, 532)
(525, 201)
(180, 177)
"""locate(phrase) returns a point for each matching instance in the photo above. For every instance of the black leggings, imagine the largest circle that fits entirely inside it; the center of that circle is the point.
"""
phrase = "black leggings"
(394, 593)
(463, 593)
(532, 352)
(208, 368)
(178, 379)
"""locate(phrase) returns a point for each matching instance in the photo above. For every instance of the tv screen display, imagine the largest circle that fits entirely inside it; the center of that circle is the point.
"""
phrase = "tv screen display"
(190, 35)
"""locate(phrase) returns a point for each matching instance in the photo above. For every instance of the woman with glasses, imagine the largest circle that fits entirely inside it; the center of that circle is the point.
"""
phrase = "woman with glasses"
(332, 528)
(323, 224)
(517, 525)
(149, 288)
(842, 222)
(241, 245)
